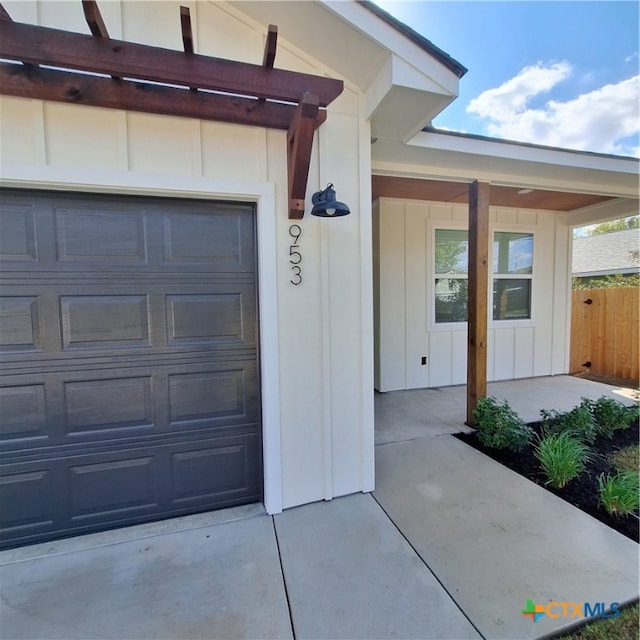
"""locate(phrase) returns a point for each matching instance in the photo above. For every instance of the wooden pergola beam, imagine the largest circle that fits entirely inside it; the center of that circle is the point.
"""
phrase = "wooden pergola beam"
(53, 47)
(478, 291)
(299, 144)
(74, 88)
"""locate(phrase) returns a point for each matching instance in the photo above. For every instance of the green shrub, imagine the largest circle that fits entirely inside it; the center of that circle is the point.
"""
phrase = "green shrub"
(562, 457)
(499, 426)
(610, 415)
(579, 422)
(619, 494)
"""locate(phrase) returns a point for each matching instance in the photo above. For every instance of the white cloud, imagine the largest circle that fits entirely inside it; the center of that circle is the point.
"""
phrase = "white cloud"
(604, 120)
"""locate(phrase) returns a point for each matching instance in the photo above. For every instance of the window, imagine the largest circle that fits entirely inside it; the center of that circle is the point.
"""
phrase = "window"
(512, 275)
(451, 262)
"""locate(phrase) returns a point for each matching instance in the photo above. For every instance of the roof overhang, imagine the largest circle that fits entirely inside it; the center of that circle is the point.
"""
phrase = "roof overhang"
(451, 157)
(407, 81)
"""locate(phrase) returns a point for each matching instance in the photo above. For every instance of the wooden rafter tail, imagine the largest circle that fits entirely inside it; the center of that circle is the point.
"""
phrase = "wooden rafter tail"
(187, 33)
(94, 19)
(54, 47)
(96, 24)
(270, 46)
(74, 88)
(299, 145)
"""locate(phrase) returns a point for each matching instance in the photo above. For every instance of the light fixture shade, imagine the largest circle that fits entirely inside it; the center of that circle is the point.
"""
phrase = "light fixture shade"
(325, 204)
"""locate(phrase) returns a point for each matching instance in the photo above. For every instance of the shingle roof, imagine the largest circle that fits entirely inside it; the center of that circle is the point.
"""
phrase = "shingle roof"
(606, 253)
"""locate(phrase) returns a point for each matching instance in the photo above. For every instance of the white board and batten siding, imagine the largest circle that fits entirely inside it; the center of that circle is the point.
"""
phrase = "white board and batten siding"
(405, 327)
(315, 354)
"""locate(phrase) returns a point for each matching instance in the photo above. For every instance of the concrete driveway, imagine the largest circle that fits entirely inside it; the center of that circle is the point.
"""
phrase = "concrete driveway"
(451, 545)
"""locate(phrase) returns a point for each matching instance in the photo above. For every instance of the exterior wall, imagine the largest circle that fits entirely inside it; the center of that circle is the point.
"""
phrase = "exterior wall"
(315, 339)
(405, 325)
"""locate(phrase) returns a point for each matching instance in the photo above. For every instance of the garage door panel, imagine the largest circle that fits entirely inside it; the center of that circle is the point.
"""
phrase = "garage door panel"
(89, 409)
(27, 500)
(18, 233)
(210, 396)
(23, 412)
(110, 236)
(103, 322)
(96, 491)
(113, 489)
(128, 361)
(214, 473)
(123, 403)
(20, 323)
(225, 242)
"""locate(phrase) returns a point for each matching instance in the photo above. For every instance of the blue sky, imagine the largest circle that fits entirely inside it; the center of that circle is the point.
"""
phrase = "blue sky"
(564, 74)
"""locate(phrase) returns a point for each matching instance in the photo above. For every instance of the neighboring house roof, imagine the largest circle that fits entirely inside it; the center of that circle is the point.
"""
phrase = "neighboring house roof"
(606, 254)
(416, 38)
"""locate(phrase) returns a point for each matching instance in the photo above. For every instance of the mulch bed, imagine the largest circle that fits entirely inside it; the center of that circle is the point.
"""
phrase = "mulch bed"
(582, 491)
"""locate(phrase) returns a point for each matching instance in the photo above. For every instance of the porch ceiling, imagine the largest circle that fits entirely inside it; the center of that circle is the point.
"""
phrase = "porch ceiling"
(458, 192)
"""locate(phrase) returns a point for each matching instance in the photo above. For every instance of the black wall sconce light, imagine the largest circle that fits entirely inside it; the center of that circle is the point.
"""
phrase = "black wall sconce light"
(325, 204)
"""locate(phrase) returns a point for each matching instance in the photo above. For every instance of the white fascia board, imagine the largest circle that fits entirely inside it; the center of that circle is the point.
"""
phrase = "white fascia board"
(386, 36)
(401, 100)
(604, 211)
(524, 152)
(379, 86)
(540, 169)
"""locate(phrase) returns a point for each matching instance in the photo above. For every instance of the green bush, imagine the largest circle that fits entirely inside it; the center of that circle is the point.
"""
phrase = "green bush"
(562, 457)
(579, 422)
(610, 415)
(499, 426)
(619, 494)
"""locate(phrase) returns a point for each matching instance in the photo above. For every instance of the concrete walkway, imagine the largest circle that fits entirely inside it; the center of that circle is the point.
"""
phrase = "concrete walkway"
(451, 545)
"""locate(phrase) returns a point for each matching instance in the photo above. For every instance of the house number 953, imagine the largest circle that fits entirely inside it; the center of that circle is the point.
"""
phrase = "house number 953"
(295, 257)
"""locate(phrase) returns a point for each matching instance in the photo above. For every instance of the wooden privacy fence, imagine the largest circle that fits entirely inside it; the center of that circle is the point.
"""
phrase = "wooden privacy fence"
(604, 333)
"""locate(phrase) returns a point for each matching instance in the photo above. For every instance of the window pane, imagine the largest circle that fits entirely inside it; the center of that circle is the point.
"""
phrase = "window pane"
(451, 300)
(511, 299)
(512, 252)
(452, 251)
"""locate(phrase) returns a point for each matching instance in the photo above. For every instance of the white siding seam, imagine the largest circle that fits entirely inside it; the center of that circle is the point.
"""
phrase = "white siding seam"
(326, 363)
(40, 132)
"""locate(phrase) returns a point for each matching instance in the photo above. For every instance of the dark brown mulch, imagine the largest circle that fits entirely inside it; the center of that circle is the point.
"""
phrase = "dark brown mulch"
(582, 491)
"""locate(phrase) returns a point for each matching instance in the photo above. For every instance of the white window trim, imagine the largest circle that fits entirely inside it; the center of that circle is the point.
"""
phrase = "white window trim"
(524, 322)
(434, 326)
(169, 185)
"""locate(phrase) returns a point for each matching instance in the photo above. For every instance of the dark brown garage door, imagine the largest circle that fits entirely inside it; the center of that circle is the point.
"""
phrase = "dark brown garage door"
(128, 380)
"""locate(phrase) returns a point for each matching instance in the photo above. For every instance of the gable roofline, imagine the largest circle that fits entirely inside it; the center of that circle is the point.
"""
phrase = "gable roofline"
(530, 145)
(426, 45)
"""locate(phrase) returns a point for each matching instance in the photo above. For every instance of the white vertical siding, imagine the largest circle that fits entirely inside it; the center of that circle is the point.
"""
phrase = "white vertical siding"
(391, 252)
(323, 328)
(516, 349)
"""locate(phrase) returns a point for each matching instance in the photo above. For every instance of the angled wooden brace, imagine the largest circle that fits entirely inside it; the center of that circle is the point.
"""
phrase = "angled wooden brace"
(299, 145)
